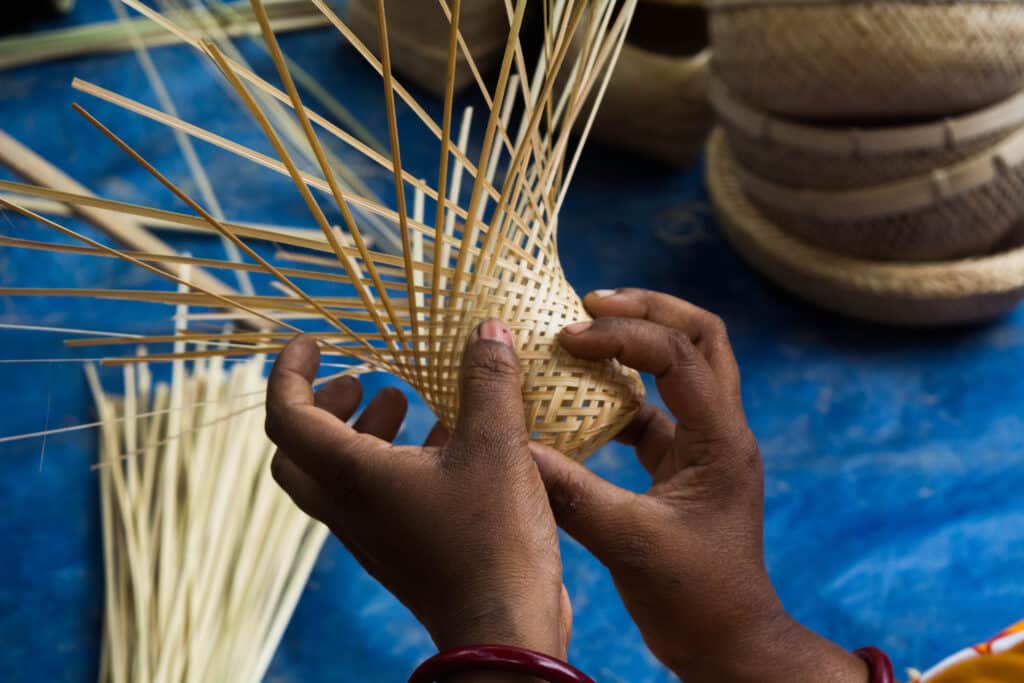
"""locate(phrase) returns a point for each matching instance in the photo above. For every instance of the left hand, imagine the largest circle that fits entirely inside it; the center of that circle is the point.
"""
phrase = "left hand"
(459, 530)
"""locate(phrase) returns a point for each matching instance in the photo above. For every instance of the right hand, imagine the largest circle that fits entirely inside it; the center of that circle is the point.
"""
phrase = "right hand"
(687, 555)
(460, 530)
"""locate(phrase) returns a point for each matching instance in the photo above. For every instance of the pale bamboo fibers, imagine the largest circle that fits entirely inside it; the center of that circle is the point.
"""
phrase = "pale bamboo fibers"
(493, 255)
(657, 103)
(205, 556)
(418, 35)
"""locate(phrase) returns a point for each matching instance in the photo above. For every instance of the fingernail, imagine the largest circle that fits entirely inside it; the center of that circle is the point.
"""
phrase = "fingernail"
(604, 293)
(576, 328)
(495, 330)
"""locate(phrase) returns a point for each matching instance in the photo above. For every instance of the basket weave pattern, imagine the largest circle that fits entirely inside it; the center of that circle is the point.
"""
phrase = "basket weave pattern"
(572, 405)
(898, 59)
(969, 224)
(953, 292)
(817, 169)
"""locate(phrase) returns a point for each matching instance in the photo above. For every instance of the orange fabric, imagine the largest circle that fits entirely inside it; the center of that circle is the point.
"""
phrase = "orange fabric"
(985, 667)
(1007, 667)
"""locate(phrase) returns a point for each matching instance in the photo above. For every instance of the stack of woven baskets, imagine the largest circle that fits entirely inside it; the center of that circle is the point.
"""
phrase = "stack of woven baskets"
(870, 155)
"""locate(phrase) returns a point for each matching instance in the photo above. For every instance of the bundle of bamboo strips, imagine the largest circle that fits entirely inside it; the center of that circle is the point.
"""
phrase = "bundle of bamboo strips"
(205, 557)
(116, 36)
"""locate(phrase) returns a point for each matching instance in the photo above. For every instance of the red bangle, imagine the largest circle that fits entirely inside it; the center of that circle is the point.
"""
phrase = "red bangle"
(497, 658)
(879, 666)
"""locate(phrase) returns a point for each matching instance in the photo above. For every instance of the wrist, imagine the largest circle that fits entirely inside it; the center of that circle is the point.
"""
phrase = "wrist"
(502, 624)
(776, 649)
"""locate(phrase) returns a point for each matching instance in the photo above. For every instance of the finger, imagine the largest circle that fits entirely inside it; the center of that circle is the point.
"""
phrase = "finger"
(590, 509)
(304, 491)
(491, 422)
(383, 417)
(340, 397)
(651, 433)
(323, 446)
(438, 436)
(706, 330)
(685, 380)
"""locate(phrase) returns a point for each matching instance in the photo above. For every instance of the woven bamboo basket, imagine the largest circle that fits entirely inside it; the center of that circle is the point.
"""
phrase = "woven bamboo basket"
(906, 294)
(418, 35)
(656, 104)
(828, 60)
(480, 241)
(822, 157)
(961, 210)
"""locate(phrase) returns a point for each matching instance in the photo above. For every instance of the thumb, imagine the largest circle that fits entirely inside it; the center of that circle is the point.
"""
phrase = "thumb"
(593, 511)
(491, 421)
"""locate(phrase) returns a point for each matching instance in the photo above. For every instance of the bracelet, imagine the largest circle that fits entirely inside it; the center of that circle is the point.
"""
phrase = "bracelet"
(497, 658)
(879, 666)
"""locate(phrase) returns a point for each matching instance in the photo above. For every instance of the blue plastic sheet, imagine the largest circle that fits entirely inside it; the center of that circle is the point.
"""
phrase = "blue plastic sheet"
(893, 459)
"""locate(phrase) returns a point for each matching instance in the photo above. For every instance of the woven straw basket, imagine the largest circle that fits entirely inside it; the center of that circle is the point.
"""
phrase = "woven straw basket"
(418, 34)
(833, 59)
(656, 104)
(924, 294)
(961, 210)
(798, 155)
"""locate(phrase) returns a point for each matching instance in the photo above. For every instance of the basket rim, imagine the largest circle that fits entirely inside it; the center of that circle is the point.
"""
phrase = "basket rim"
(713, 5)
(945, 134)
(994, 274)
(900, 196)
(682, 65)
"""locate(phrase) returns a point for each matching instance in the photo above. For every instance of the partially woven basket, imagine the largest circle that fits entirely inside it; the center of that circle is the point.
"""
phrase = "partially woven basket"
(906, 294)
(829, 157)
(656, 104)
(418, 32)
(830, 59)
(961, 210)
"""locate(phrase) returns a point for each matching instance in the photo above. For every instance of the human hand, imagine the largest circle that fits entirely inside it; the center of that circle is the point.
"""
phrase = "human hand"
(686, 556)
(459, 530)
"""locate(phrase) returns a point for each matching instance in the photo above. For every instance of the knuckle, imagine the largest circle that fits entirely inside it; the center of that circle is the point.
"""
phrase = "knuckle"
(680, 347)
(748, 450)
(272, 425)
(715, 328)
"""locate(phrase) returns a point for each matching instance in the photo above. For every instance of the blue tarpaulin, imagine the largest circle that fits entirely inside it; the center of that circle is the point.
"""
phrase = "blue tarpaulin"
(893, 459)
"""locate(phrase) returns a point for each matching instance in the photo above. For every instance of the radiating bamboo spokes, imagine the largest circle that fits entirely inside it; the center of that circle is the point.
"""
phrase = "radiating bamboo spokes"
(479, 241)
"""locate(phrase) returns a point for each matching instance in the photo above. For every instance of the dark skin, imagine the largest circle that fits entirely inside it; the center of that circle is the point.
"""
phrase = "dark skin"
(462, 530)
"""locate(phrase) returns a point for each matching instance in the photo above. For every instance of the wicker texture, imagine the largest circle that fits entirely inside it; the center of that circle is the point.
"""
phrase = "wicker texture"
(477, 245)
(804, 168)
(927, 294)
(836, 157)
(572, 405)
(971, 223)
(846, 60)
(418, 36)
